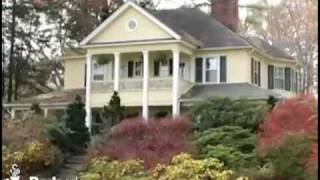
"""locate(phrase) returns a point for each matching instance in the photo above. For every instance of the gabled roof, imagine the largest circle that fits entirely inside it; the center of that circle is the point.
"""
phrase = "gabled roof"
(198, 28)
(123, 8)
(194, 23)
(266, 48)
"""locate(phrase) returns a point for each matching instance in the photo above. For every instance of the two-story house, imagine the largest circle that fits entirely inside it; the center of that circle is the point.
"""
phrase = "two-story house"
(165, 60)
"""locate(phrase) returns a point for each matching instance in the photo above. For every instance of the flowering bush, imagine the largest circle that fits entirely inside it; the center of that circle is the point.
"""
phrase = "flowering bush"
(153, 142)
(33, 157)
(183, 166)
(105, 168)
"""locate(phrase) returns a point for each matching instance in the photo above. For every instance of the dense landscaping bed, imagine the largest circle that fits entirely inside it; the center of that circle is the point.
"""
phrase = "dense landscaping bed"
(219, 139)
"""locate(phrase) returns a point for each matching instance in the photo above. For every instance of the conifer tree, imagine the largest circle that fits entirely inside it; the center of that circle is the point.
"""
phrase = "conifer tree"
(77, 132)
(114, 112)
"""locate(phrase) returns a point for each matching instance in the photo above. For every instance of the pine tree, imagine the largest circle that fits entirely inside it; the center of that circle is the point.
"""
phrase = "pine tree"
(114, 112)
(77, 133)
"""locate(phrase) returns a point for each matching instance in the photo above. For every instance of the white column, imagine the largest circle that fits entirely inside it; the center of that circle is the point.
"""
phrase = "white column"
(192, 69)
(13, 113)
(175, 83)
(145, 110)
(88, 92)
(45, 112)
(116, 70)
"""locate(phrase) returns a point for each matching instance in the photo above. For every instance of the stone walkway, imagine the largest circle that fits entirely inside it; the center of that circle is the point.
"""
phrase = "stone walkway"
(71, 168)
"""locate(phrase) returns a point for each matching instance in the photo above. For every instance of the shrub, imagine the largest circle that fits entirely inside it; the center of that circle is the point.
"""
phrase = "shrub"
(231, 144)
(289, 160)
(153, 142)
(272, 101)
(295, 115)
(35, 107)
(219, 112)
(105, 168)
(183, 166)
(16, 134)
(288, 137)
(35, 157)
(58, 136)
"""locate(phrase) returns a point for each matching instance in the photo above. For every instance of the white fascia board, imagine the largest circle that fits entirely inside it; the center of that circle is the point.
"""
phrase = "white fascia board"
(121, 10)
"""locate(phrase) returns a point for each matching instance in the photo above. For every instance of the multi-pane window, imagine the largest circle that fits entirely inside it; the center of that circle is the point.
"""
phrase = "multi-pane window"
(211, 69)
(256, 72)
(181, 70)
(98, 72)
(138, 68)
(164, 68)
(279, 78)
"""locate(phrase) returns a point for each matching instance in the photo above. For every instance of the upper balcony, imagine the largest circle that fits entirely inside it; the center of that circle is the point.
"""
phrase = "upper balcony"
(131, 73)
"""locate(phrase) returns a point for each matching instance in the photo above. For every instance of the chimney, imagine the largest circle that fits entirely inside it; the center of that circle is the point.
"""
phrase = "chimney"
(226, 11)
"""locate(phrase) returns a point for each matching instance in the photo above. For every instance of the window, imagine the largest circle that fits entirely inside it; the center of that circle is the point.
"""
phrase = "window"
(211, 69)
(255, 72)
(278, 77)
(164, 68)
(138, 68)
(98, 72)
(181, 70)
(132, 25)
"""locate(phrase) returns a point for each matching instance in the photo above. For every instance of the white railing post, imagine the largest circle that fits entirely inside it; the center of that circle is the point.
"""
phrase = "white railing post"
(145, 110)
(175, 83)
(88, 92)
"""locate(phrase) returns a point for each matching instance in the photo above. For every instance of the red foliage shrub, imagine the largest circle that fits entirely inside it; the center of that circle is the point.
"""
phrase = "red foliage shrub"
(154, 142)
(296, 115)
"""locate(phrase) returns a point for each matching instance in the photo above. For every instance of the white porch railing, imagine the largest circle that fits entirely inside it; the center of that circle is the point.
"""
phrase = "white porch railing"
(136, 84)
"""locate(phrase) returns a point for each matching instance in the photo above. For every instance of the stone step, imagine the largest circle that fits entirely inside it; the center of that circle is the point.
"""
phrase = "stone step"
(76, 167)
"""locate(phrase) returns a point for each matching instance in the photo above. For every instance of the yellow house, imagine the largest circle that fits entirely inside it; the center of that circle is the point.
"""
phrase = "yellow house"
(160, 61)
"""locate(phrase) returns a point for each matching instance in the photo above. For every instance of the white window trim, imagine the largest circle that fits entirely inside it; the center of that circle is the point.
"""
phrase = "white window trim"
(204, 77)
(274, 75)
(104, 73)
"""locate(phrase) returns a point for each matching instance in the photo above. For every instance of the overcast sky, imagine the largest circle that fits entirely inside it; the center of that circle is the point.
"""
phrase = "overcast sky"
(171, 4)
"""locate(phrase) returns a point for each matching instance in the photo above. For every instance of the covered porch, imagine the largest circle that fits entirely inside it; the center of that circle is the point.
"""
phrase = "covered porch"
(144, 74)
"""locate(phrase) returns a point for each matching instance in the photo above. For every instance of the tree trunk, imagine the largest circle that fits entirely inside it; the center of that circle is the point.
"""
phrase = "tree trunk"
(11, 59)
(17, 77)
(3, 73)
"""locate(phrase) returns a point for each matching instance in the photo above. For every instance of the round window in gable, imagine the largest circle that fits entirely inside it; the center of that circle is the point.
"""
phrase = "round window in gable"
(132, 25)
